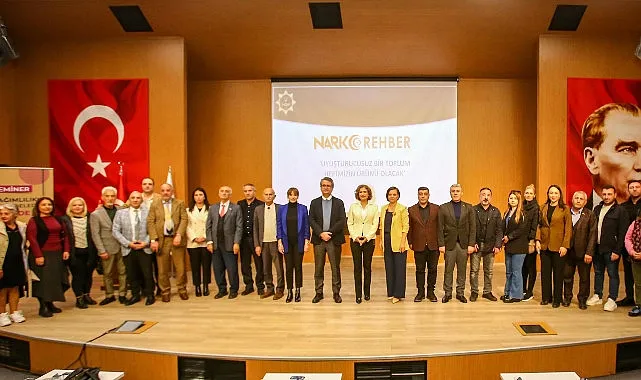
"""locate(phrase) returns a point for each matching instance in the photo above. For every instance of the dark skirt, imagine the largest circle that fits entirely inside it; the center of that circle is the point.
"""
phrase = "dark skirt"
(13, 270)
(54, 277)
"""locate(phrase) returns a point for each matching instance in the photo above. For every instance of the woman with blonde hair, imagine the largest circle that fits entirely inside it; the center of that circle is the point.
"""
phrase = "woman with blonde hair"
(531, 209)
(395, 223)
(83, 255)
(515, 240)
(13, 264)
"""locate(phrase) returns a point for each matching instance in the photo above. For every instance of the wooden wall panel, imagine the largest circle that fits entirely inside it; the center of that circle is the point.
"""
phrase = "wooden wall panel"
(136, 365)
(46, 355)
(7, 114)
(562, 57)
(162, 60)
(589, 360)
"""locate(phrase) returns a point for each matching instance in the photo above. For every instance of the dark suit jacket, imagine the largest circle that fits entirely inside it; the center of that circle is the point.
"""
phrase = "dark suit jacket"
(493, 229)
(302, 230)
(451, 230)
(557, 234)
(259, 223)
(584, 234)
(232, 228)
(423, 235)
(337, 221)
(517, 234)
(615, 225)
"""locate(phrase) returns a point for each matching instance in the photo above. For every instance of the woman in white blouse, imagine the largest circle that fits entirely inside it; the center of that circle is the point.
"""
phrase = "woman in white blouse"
(362, 223)
(199, 257)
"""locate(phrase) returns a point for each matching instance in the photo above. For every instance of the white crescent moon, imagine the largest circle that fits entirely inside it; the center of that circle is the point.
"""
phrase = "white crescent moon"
(101, 111)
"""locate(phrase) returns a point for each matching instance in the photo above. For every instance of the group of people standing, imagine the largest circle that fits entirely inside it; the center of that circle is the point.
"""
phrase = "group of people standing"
(140, 241)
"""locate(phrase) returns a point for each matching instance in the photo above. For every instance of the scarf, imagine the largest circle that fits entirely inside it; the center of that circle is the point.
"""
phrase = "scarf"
(636, 236)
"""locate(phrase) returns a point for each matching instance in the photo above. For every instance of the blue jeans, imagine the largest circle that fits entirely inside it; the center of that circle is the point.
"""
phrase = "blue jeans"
(514, 275)
(601, 262)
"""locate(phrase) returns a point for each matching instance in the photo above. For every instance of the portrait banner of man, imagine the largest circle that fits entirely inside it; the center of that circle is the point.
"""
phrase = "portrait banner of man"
(603, 136)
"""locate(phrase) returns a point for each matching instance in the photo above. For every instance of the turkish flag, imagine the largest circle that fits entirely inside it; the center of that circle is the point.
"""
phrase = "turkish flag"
(93, 125)
(586, 95)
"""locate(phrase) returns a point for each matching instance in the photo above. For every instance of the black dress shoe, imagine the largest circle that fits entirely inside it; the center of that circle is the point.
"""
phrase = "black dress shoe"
(122, 299)
(53, 308)
(261, 292)
(337, 298)
(297, 295)
(565, 303)
(206, 290)
(45, 312)
(220, 295)
(626, 302)
(359, 300)
(290, 296)
(544, 302)
(132, 301)
(233, 295)
(108, 300)
(317, 298)
(247, 291)
(505, 299)
(89, 300)
(513, 300)
(635, 312)
(583, 305)
(198, 292)
(432, 297)
(462, 299)
(489, 296)
(367, 297)
(446, 299)
(474, 297)
(419, 297)
(555, 304)
(150, 300)
(80, 303)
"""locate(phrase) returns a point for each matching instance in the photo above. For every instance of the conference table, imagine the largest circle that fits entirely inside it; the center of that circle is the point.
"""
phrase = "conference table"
(303, 376)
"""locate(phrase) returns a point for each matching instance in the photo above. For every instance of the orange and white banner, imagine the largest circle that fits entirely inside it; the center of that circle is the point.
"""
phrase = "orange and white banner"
(23, 186)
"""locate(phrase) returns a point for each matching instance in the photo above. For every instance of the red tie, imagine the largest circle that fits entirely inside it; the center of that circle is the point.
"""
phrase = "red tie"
(222, 210)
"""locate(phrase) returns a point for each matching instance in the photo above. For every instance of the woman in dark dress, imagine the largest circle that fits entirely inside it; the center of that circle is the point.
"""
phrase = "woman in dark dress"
(292, 232)
(13, 274)
(48, 248)
(83, 255)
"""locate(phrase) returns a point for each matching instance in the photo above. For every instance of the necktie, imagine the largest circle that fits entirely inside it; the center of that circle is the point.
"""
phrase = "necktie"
(169, 224)
(222, 210)
(137, 226)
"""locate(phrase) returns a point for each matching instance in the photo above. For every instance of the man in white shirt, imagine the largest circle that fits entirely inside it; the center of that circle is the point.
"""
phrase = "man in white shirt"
(266, 244)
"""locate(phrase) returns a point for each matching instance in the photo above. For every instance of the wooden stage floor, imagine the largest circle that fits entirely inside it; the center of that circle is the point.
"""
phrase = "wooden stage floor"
(251, 328)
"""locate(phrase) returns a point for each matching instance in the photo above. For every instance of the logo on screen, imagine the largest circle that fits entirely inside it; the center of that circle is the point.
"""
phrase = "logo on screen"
(358, 142)
(285, 102)
(16, 188)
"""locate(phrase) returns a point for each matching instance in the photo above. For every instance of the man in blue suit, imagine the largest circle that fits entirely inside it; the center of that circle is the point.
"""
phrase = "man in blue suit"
(224, 228)
(130, 229)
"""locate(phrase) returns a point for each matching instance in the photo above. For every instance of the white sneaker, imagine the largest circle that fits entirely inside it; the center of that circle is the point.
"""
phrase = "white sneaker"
(594, 300)
(4, 319)
(17, 316)
(610, 305)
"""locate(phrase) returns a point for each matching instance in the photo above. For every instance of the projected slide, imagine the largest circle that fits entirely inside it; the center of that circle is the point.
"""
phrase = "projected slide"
(381, 134)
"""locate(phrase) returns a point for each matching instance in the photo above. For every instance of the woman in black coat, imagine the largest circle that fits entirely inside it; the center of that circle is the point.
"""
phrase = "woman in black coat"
(515, 239)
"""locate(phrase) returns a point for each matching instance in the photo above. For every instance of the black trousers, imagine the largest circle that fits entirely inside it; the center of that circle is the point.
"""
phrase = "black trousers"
(529, 272)
(628, 277)
(552, 267)
(140, 273)
(362, 256)
(200, 260)
(293, 263)
(572, 263)
(247, 251)
(81, 272)
(422, 259)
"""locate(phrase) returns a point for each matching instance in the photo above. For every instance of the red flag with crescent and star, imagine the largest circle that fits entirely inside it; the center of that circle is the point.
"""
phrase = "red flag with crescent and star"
(93, 126)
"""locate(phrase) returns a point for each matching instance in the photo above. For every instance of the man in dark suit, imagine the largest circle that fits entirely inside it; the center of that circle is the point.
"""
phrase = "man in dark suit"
(266, 244)
(224, 230)
(456, 238)
(247, 249)
(584, 228)
(612, 225)
(422, 239)
(632, 206)
(489, 235)
(327, 220)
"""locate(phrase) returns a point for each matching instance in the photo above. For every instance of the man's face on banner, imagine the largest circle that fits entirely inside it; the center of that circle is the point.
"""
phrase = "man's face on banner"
(618, 160)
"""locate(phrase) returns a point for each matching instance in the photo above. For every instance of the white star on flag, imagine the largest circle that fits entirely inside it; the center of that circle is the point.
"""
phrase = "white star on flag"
(99, 167)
